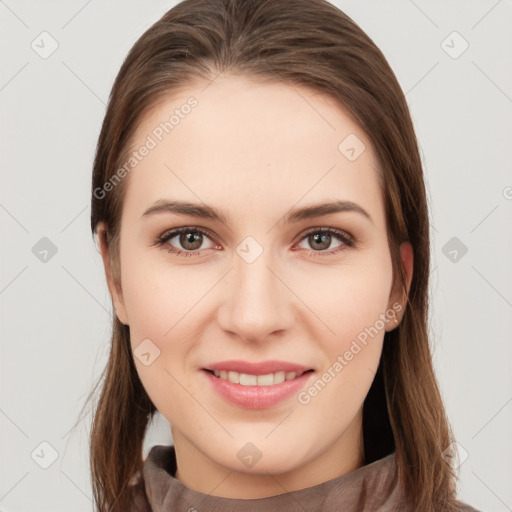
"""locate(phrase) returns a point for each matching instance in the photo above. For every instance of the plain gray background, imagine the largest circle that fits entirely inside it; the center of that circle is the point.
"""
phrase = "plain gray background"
(55, 308)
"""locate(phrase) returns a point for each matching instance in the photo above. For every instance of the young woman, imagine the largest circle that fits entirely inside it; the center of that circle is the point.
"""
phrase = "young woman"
(260, 208)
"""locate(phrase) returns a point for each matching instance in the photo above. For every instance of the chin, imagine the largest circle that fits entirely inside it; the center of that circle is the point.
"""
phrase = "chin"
(252, 456)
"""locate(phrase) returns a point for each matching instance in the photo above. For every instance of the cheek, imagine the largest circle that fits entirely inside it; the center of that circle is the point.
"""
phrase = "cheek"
(160, 302)
(351, 304)
(164, 304)
(351, 346)
(348, 300)
(157, 296)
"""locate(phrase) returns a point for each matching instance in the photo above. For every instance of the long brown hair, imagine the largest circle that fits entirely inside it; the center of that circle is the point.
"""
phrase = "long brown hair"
(310, 43)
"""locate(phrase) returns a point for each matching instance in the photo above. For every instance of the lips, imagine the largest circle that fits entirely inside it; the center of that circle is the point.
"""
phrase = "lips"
(257, 391)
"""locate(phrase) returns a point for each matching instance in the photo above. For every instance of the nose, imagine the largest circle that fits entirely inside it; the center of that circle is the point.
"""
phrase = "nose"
(257, 300)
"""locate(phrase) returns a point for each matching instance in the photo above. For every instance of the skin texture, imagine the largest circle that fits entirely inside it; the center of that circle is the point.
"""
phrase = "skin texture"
(255, 150)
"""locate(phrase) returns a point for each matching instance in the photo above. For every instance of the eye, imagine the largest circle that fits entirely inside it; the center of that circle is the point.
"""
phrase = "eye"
(320, 239)
(192, 238)
(189, 238)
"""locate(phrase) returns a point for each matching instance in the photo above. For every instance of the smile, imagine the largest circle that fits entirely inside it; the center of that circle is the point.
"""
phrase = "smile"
(257, 391)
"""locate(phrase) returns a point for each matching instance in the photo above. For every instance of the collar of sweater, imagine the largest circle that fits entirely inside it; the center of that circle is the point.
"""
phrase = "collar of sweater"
(370, 487)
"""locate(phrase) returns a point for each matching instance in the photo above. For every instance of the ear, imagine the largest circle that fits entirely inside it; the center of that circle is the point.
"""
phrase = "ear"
(397, 295)
(113, 278)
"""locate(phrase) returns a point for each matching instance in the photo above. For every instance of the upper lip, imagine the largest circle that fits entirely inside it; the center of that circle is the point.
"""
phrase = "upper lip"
(262, 368)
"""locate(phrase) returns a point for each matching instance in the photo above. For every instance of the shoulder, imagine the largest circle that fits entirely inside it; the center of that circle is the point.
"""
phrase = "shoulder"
(160, 460)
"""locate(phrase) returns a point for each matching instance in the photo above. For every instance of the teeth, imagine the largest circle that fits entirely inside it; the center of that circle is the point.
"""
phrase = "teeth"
(234, 377)
(246, 379)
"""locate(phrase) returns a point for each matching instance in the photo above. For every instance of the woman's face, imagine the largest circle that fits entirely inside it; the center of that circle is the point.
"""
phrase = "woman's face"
(259, 282)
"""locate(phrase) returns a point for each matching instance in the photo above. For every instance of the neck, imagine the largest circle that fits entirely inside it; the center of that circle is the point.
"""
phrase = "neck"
(197, 471)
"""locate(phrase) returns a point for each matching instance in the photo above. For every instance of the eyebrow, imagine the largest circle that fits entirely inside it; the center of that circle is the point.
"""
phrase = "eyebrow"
(293, 216)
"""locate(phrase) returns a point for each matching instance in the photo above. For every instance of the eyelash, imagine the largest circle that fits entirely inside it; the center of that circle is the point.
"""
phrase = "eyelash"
(347, 240)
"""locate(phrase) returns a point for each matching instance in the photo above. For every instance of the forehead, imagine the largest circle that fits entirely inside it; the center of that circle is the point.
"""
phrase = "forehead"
(253, 145)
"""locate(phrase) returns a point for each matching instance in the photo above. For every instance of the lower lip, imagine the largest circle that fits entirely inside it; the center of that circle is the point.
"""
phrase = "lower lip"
(257, 397)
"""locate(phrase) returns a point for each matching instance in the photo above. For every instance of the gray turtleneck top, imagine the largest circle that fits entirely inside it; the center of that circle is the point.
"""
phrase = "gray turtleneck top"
(370, 487)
